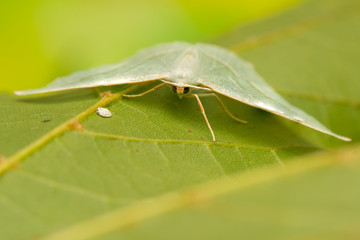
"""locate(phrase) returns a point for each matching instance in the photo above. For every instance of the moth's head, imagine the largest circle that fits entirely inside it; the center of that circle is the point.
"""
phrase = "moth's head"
(180, 91)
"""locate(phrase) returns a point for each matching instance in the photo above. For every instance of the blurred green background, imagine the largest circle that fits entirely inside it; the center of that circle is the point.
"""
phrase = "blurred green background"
(41, 40)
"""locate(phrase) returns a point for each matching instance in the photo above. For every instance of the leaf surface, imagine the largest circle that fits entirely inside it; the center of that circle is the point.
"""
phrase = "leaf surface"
(158, 145)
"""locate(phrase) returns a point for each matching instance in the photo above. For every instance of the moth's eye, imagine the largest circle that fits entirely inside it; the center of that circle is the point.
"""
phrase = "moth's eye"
(174, 88)
(186, 89)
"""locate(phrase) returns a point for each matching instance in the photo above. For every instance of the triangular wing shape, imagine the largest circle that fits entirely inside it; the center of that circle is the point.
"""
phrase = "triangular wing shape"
(227, 74)
(148, 64)
(211, 66)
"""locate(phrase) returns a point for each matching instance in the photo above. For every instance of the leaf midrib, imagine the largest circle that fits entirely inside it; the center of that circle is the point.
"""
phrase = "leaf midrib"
(71, 124)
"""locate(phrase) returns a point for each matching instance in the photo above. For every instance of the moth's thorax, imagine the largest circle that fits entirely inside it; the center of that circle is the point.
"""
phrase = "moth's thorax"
(185, 68)
(180, 91)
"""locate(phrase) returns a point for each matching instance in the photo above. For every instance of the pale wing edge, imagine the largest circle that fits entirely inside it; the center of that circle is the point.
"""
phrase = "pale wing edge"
(46, 90)
(323, 129)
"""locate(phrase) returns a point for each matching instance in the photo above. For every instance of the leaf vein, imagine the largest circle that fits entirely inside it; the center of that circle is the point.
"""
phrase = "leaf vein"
(65, 186)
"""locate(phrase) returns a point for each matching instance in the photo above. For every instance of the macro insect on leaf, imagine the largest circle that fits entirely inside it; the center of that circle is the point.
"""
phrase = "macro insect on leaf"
(200, 67)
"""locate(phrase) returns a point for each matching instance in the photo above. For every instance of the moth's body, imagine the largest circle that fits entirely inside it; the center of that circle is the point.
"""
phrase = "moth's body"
(185, 69)
(197, 66)
(186, 72)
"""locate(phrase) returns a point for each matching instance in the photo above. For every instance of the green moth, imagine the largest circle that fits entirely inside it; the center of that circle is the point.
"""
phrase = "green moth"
(188, 66)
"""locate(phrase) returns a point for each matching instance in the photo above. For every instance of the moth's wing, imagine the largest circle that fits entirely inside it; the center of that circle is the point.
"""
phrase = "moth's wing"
(147, 65)
(227, 74)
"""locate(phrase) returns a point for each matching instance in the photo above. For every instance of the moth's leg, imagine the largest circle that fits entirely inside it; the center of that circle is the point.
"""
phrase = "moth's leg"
(203, 113)
(223, 107)
(142, 94)
(103, 94)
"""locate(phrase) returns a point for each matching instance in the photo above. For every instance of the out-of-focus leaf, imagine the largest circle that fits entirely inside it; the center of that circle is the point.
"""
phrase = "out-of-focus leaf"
(41, 40)
(310, 199)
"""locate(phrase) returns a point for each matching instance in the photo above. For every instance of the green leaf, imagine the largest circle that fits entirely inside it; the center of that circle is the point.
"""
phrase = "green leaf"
(155, 154)
(295, 202)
